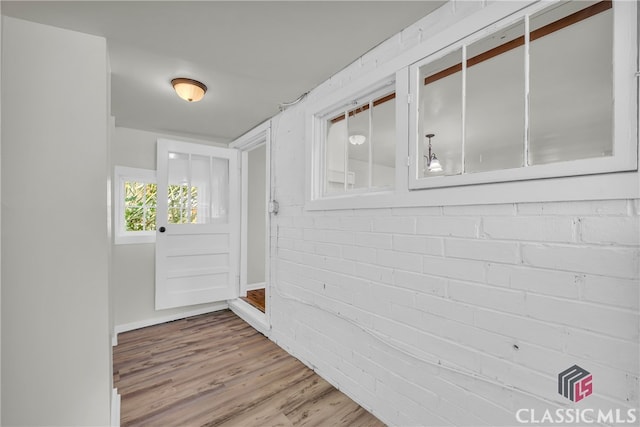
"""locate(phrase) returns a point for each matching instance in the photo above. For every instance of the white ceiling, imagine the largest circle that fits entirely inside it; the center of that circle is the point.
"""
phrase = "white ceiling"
(252, 55)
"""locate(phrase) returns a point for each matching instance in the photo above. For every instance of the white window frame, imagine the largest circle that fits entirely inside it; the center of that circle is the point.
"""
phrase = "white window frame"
(625, 154)
(441, 30)
(123, 174)
(335, 106)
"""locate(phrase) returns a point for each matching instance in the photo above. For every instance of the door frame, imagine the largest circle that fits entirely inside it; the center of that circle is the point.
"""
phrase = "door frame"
(260, 135)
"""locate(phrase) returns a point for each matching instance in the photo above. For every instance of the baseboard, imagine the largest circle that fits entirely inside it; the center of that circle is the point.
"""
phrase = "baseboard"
(251, 315)
(115, 408)
(164, 319)
(254, 286)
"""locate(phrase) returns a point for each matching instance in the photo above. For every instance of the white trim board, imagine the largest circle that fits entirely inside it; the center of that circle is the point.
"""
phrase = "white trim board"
(150, 322)
(115, 408)
(251, 315)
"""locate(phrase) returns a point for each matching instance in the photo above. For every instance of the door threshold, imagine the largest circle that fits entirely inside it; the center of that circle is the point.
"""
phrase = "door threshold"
(251, 315)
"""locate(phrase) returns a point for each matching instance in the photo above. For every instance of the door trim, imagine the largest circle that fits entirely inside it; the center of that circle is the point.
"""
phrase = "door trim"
(258, 136)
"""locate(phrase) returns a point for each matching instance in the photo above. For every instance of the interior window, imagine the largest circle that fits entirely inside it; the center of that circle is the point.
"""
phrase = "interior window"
(514, 99)
(360, 146)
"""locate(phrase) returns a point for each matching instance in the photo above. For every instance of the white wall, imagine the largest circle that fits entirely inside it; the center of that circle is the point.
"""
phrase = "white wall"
(256, 214)
(133, 266)
(55, 305)
(453, 315)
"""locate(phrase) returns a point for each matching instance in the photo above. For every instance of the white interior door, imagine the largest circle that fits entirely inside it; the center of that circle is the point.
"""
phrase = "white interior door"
(197, 236)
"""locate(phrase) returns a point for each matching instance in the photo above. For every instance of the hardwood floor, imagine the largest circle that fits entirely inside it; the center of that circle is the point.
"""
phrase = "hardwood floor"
(256, 298)
(215, 370)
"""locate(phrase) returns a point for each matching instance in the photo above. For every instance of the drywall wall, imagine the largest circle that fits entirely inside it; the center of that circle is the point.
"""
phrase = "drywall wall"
(453, 315)
(55, 317)
(256, 214)
(133, 265)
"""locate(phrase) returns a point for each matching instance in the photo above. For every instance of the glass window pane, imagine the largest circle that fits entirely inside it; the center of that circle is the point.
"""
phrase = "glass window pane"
(358, 147)
(440, 104)
(495, 101)
(383, 138)
(571, 100)
(335, 154)
(219, 190)
(134, 219)
(200, 191)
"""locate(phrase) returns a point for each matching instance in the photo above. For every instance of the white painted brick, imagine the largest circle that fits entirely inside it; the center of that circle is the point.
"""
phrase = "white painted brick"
(330, 236)
(393, 294)
(482, 250)
(407, 315)
(349, 223)
(301, 257)
(375, 273)
(606, 290)
(405, 225)
(327, 222)
(500, 299)
(454, 268)
(418, 211)
(420, 282)
(290, 233)
(360, 253)
(399, 260)
(480, 210)
(445, 308)
(608, 207)
(548, 282)
(520, 329)
(615, 262)
(611, 230)
(448, 226)
(417, 244)
(615, 353)
(537, 359)
(327, 249)
(590, 317)
(374, 240)
(339, 265)
(548, 229)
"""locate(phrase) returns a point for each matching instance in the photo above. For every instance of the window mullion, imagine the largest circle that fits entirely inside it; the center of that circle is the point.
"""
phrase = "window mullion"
(189, 191)
(527, 31)
(370, 144)
(346, 150)
(464, 106)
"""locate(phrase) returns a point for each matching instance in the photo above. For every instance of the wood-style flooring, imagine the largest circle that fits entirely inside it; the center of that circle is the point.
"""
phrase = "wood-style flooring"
(216, 370)
(256, 298)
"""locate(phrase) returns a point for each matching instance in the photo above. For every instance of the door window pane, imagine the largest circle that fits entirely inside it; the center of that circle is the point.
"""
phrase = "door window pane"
(198, 190)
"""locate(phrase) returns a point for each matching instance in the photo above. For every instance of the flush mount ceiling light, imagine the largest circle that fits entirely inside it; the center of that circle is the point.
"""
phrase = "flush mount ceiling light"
(433, 164)
(357, 139)
(188, 89)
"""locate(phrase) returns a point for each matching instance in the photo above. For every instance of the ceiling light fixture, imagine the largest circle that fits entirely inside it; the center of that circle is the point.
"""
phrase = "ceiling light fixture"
(433, 164)
(188, 89)
(357, 139)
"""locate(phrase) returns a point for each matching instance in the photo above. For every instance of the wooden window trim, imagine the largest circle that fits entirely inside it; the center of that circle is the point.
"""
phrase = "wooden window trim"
(364, 107)
(574, 18)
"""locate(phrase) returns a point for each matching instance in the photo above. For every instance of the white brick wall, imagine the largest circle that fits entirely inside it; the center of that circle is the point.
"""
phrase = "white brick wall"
(453, 315)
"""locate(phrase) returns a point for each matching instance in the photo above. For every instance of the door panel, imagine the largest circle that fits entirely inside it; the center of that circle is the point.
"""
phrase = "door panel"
(197, 251)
